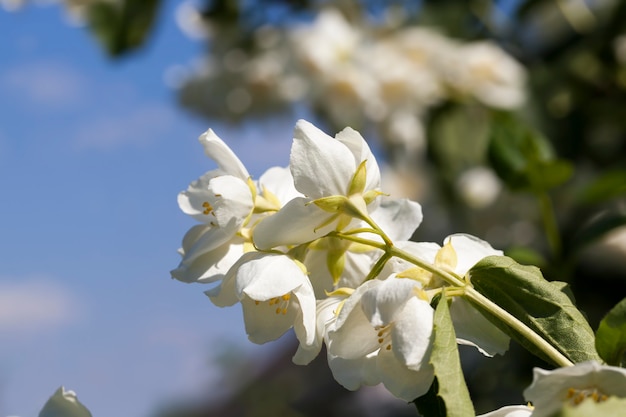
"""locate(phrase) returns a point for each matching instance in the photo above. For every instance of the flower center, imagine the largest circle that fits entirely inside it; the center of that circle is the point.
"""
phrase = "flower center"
(576, 396)
(280, 304)
(384, 336)
(208, 209)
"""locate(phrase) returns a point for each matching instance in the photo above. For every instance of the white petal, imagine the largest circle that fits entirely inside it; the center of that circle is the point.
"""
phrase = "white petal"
(217, 150)
(382, 303)
(549, 388)
(206, 240)
(262, 322)
(361, 152)
(224, 294)
(321, 166)
(292, 225)
(469, 250)
(279, 181)
(398, 217)
(64, 404)
(426, 251)
(269, 275)
(356, 268)
(325, 317)
(473, 329)
(411, 334)
(354, 336)
(228, 198)
(305, 322)
(353, 373)
(402, 382)
(510, 411)
(211, 266)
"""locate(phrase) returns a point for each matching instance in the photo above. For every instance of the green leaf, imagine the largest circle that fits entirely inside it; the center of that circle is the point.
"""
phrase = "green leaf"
(545, 307)
(613, 407)
(611, 335)
(458, 138)
(523, 158)
(606, 187)
(445, 359)
(121, 27)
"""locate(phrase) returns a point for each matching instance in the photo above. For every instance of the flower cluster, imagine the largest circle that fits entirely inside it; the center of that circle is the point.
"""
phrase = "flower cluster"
(341, 69)
(318, 247)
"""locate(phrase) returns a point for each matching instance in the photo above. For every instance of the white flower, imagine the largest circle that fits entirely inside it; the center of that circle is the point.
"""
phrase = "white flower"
(488, 73)
(222, 200)
(326, 314)
(64, 404)
(327, 43)
(550, 390)
(335, 263)
(387, 321)
(275, 295)
(323, 168)
(510, 411)
(479, 187)
(458, 255)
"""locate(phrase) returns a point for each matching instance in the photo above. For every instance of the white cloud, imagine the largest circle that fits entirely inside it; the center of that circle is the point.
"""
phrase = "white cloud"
(46, 83)
(138, 126)
(31, 304)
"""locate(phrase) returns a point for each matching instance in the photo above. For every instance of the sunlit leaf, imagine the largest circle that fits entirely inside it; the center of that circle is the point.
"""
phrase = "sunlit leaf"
(451, 388)
(543, 306)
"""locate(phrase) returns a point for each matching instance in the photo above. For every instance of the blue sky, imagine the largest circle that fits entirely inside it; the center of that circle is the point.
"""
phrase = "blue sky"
(92, 155)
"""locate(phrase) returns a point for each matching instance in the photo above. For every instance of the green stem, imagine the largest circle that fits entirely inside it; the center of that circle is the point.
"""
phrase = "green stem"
(550, 223)
(517, 325)
(474, 296)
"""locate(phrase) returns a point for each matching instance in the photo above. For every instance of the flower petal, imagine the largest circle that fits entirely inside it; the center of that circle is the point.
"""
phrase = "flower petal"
(354, 336)
(398, 217)
(279, 181)
(361, 152)
(304, 324)
(411, 333)
(321, 166)
(353, 373)
(217, 150)
(267, 276)
(205, 239)
(217, 200)
(262, 322)
(470, 250)
(401, 381)
(510, 411)
(382, 302)
(210, 266)
(292, 225)
(549, 389)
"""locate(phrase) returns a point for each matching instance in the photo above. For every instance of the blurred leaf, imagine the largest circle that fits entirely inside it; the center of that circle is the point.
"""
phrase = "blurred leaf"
(613, 407)
(458, 137)
(609, 185)
(543, 306)
(122, 27)
(595, 229)
(523, 158)
(526, 256)
(611, 335)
